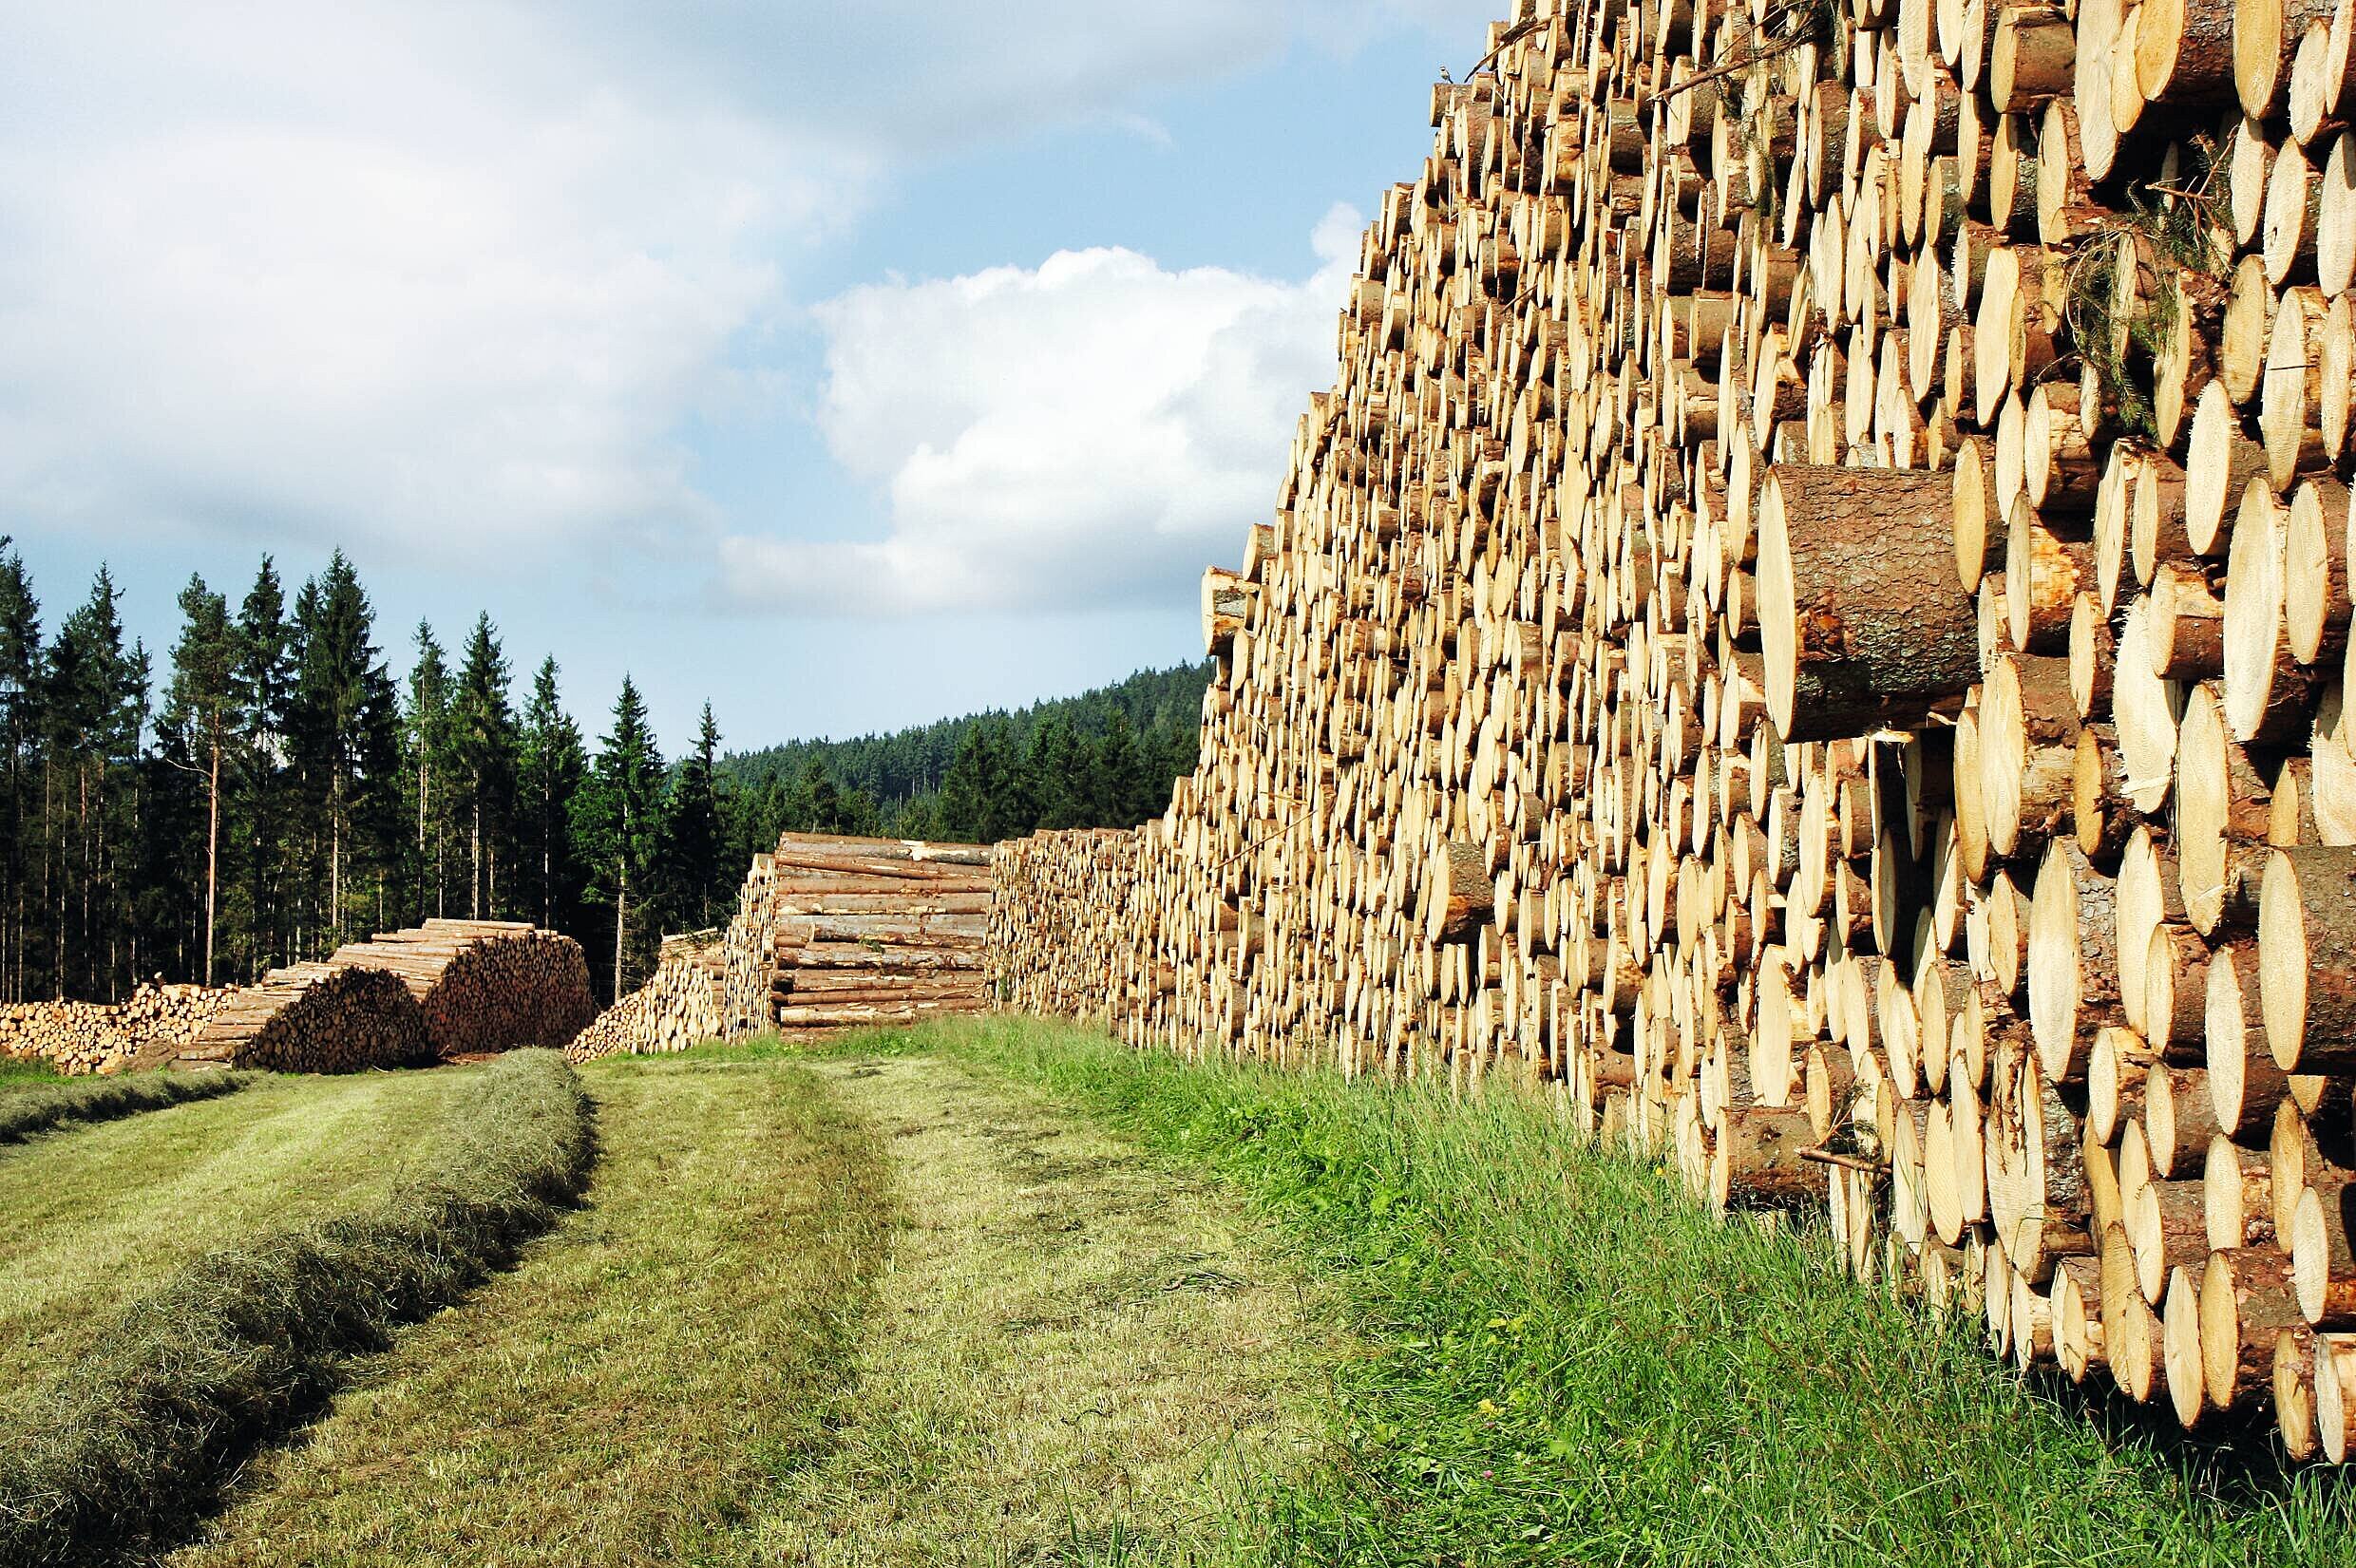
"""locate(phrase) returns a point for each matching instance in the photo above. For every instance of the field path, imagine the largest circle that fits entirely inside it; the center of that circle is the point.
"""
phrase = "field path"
(825, 1311)
(1076, 1356)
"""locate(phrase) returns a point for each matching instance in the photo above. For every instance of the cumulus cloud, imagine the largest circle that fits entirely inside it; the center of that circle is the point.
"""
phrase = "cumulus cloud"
(1070, 435)
(455, 278)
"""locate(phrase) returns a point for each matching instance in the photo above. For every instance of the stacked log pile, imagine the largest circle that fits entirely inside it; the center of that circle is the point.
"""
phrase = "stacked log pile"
(87, 1037)
(1814, 621)
(830, 932)
(448, 987)
(319, 1018)
(484, 984)
(874, 930)
(680, 1005)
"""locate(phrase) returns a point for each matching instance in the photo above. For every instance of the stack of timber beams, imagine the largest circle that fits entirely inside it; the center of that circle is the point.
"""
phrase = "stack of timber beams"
(874, 930)
(1815, 623)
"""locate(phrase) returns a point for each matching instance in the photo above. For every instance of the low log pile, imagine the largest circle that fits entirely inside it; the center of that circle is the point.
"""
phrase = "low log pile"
(86, 1037)
(448, 987)
(320, 1017)
(679, 1006)
(1815, 622)
(484, 984)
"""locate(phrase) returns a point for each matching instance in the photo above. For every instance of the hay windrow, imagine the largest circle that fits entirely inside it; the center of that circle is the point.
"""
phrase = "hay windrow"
(105, 1099)
(130, 1445)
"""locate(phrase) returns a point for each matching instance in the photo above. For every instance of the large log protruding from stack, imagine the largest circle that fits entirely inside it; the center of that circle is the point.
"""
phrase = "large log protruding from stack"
(1820, 601)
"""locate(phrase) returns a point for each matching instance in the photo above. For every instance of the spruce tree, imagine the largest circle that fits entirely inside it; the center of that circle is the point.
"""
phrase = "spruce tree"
(425, 739)
(482, 724)
(552, 765)
(21, 675)
(694, 838)
(264, 682)
(344, 731)
(618, 814)
(199, 723)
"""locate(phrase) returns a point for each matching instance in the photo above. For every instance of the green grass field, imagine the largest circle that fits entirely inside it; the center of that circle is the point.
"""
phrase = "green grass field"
(1003, 1291)
(99, 1216)
(17, 1073)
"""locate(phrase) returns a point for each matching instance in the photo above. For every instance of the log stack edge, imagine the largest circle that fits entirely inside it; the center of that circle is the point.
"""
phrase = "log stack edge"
(1815, 623)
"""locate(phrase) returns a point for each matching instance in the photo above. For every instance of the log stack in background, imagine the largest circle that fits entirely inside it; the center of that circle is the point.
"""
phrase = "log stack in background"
(681, 1004)
(1814, 620)
(448, 987)
(484, 984)
(315, 1017)
(830, 932)
(87, 1037)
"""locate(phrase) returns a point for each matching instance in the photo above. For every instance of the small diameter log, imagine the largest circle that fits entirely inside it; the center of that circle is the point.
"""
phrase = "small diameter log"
(2237, 1198)
(2333, 1381)
(2245, 1082)
(2323, 1267)
(2073, 963)
(1860, 618)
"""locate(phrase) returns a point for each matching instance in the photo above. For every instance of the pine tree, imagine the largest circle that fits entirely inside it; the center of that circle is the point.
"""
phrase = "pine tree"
(552, 766)
(483, 726)
(200, 724)
(619, 819)
(263, 688)
(693, 837)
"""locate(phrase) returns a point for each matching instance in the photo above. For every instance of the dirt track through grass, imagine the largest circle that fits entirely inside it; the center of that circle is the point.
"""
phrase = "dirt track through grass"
(1076, 1354)
(99, 1216)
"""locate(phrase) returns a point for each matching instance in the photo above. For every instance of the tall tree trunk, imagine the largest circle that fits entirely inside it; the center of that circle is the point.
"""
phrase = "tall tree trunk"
(474, 862)
(621, 926)
(212, 855)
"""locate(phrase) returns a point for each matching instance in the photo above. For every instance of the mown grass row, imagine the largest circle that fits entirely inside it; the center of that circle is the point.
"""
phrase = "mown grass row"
(36, 1110)
(131, 1443)
(1574, 1363)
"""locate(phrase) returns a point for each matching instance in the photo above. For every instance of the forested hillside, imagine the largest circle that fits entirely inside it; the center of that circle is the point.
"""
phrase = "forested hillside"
(270, 785)
(1103, 758)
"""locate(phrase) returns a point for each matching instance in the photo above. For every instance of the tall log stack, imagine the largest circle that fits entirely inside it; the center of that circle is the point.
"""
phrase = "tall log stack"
(1815, 620)
(450, 988)
(830, 932)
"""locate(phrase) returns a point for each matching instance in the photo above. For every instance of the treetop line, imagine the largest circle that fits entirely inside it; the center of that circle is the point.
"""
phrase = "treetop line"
(274, 789)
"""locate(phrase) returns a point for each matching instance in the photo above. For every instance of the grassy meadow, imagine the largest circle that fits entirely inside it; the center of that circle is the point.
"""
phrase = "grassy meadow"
(1003, 1292)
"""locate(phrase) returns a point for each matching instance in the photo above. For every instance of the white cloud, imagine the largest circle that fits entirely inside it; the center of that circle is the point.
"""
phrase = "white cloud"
(454, 278)
(1075, 434)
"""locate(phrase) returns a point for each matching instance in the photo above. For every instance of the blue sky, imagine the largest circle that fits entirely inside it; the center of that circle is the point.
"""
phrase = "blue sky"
(845, 366)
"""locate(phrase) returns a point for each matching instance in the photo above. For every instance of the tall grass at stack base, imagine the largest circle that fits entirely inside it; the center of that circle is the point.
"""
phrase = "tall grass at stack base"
(131, 1445)
(37, 1110)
